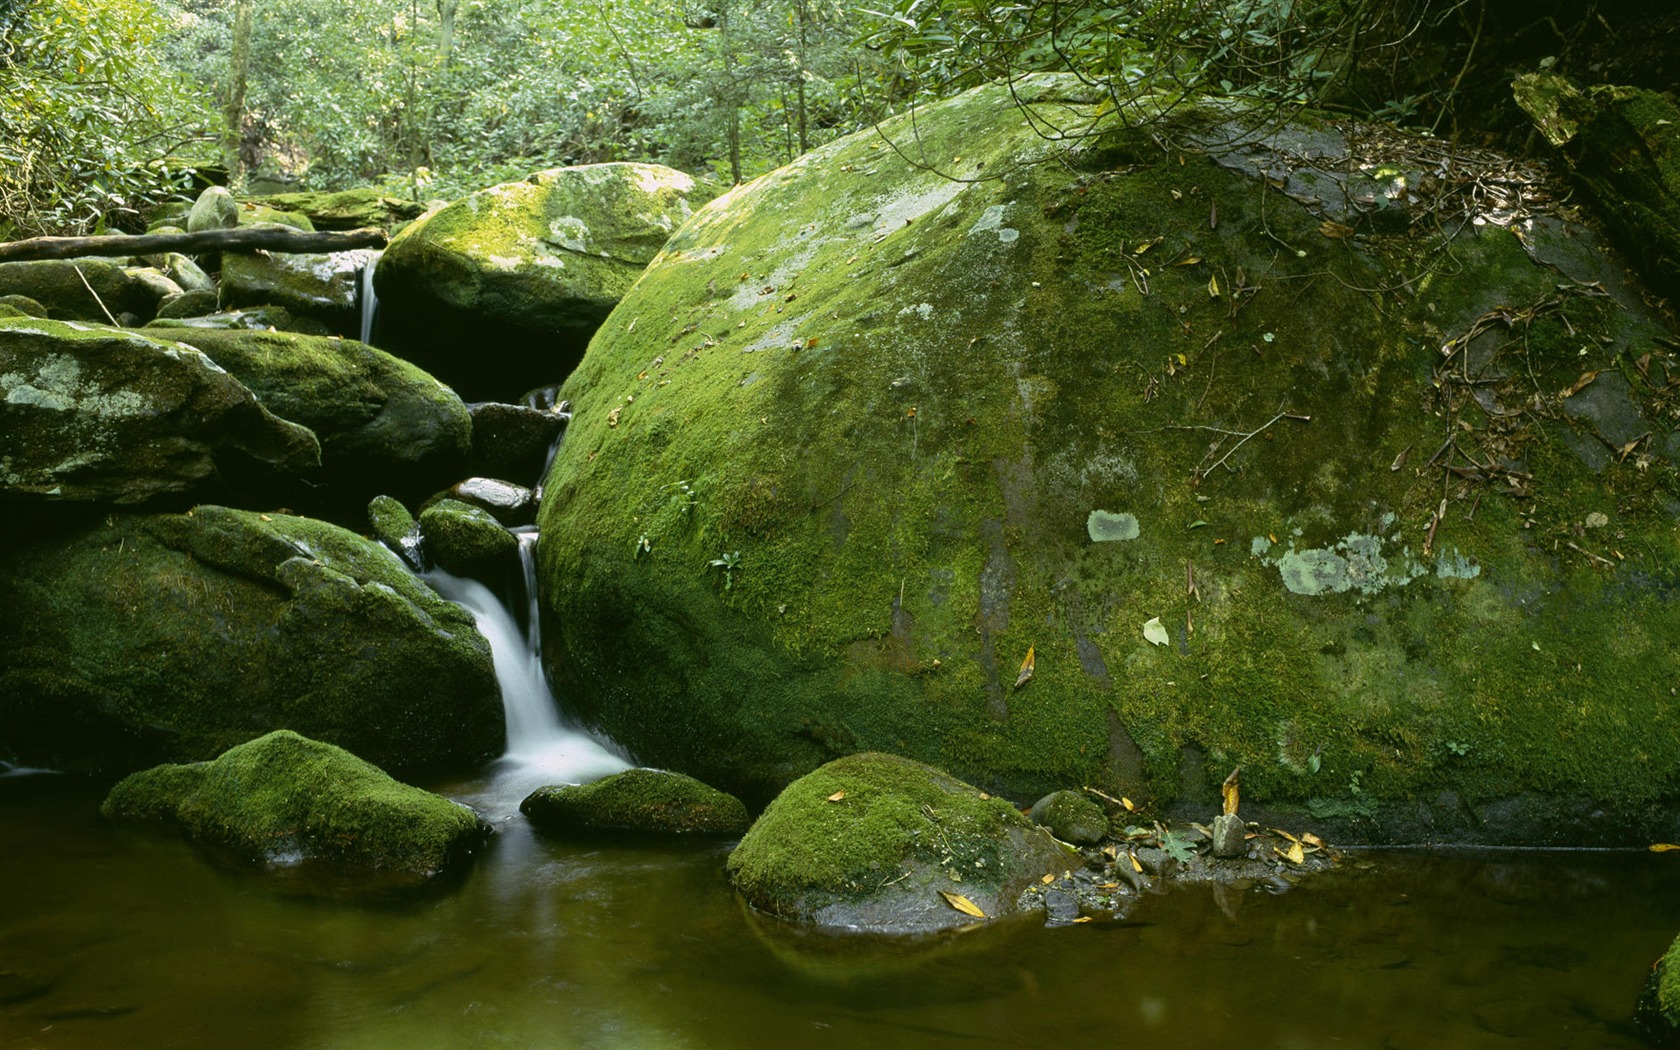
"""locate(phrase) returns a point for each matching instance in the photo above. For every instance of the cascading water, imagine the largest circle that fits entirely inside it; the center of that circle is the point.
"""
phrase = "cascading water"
(370, 299)
(542, 747)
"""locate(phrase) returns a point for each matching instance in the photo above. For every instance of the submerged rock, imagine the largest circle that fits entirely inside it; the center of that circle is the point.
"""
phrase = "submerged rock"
(637, 800)
(835, 503)
(384, 425)
(283, 799)
(171, 637)
(877, 842)
(96, 413)
(500, 291)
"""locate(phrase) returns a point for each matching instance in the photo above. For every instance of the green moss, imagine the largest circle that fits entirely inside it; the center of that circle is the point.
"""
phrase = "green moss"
(464, 539)
(638, 800)
(284, 798)
(901, 418)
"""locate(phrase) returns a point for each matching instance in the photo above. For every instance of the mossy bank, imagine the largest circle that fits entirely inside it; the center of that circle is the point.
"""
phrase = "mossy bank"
(1398, 465)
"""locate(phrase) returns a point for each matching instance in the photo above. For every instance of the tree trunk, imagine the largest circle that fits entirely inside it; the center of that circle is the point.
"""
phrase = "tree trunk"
(246, 239)
(233, 112)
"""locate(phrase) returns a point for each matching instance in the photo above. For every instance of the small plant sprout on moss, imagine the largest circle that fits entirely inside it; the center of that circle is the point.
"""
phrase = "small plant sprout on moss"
(728, 562)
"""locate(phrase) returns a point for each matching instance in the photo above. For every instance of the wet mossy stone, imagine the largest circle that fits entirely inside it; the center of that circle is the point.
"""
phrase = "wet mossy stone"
(215, 209)
(868, 842)
(1657, 1012)
(500, 291)
(508, 503)
(384, 425)
(897, 426)
(512, 441)
(395, 527)
(1071, 817)
(24, 305)
(92, 413)
(7, 310)
(650, 801)
(345, 209)
(325, 286)
(57, 285)
(140, 639)
(284, 799)
(196, 303)
(255, 318)
(466, 540)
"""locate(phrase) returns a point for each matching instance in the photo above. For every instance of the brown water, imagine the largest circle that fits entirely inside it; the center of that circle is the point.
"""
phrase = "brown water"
(114, 939)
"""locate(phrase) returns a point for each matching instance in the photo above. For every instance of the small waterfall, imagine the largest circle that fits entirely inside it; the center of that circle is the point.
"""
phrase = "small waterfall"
(370, 299)
(542, 747)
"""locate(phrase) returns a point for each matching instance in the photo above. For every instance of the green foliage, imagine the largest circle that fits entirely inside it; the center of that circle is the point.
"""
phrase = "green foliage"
(86, 114)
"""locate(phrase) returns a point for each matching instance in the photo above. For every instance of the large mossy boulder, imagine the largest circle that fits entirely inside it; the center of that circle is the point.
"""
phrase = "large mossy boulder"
(1623, 146)
(284, 799)
(97, 413)
(638, 801)
(1657, 1012)
(869, 842)
(325, 286)
(345, 209)
(466, 540)
(95, 290)
(147, 638)
(384, 425)
(1366, 486)
(499, 292)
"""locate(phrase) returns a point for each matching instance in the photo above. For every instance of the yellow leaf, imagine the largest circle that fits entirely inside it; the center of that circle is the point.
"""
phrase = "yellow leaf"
(1026, 669)
(837, 796)
(1048, 878)
(1295, 854)
(1285, 834)
(1135, 865)
(1228, 792)
(962, 904)
(1664, 847)
(1083, 918)
(1146, 245)
(1124, 801)
(1312, 840)
(1189, 260)
(1213, 287)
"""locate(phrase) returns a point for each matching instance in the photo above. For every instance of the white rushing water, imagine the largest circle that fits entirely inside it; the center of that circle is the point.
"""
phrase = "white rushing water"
(543, 748)
(370, 299)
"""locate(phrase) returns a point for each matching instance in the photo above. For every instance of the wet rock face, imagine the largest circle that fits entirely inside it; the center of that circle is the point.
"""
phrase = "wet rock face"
(500, 291)
(94, 413)
(171, 637)
(323, 286)
(645, 801)
(466, 540)
(284, 800)
(869, 842)
(835, 459)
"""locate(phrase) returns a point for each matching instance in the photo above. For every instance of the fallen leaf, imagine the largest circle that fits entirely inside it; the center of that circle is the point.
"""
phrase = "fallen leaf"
(1083, 918)
(1335, 229)
(1664, 847)
(1146, 245)
(1312, 840)
(1579, 384)
(612, 418)
(1108, 885)
(1026, 669)
(962, 904)
(1154, 632)
(1048, 878)
(1189, 260)
(1135, 865)
(1228, 794)
(1400, 460)
(1294, 855)
(1213, 287)
(1124, 801)
(837, 796)
(1285, 834)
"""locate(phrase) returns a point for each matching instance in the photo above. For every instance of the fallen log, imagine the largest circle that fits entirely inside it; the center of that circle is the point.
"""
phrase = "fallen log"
(239, 239)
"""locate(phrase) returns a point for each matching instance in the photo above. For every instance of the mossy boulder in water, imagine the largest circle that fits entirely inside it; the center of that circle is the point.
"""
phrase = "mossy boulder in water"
(146, 638)
(467, 541)
(499, 291)
(1406, 542)
(869, 842)
(96, 413)
(384, 425)
(1658, 1011)
(651, 801)
(283, 799)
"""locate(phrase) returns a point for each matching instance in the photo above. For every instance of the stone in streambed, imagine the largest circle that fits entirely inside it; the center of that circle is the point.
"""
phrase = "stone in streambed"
(393, 526)
(1657, 1012)
(285, 799)
(1230, 836)
(868, 842)
(466, 540)
(215, 209)
(512, 441)
(637, 800)
(1071, 817)
(508, 503)
(138, 639)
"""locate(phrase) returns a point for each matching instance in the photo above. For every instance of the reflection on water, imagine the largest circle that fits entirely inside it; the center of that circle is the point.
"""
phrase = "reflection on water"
(112, 938)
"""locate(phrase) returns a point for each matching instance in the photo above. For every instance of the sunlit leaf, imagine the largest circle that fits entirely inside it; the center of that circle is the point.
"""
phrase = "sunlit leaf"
(1285, 834)
(1228, 795)
(1135, 865)
(1312, 840)
(1294, 854)
(1026, 669)
(1124, 801)
(1048, 878)
(837, 796)
(1664, 847)
(962, 904)
(1154, 632)
(1580, 384)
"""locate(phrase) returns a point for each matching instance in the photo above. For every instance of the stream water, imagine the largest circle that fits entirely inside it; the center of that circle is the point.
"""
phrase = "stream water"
(115, 937)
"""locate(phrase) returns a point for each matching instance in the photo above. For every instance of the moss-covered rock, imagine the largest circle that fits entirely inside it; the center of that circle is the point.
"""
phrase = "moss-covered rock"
(393, 526)
(384, 425)
(869, 842)
(96, 413)
(254, 319)
(323, 286)
(1071, 817)
(193, 304)
(215, 209)
(23, 304)
(1623, 145)
(58, 285)
(651, 801)
(835, 457)
(1658, 1011)
(147, 638)
(466, 540)
(345, 209)
(500, 291)
(283, 799)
